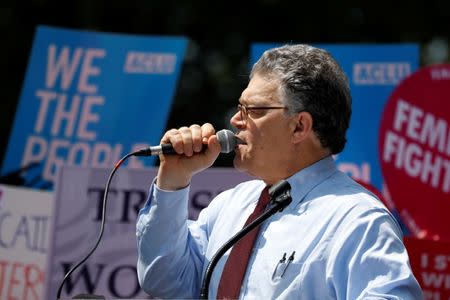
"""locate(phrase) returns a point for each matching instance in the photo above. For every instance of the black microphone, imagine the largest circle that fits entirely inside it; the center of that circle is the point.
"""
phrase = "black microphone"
(226, 138)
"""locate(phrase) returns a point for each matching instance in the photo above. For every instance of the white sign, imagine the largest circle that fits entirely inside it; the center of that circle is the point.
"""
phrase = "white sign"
(25, 224)
(111, 270)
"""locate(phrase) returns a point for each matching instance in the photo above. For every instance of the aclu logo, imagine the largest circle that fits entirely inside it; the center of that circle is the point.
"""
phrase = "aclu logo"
(365, 73)
(150, 63)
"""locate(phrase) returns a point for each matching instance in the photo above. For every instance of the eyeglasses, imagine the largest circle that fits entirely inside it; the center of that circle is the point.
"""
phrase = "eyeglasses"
(244, 110)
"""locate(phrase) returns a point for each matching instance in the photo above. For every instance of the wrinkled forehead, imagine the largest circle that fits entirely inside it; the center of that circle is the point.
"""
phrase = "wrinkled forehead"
(261, 90)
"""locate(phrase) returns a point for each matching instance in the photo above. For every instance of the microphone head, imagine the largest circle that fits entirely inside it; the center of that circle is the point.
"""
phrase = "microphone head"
(227, 140)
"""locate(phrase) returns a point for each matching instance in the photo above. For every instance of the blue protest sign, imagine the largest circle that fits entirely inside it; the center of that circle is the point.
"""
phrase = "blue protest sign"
(373, 72)
(89, 98)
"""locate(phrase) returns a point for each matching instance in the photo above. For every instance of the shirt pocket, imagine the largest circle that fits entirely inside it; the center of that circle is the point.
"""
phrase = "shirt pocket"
(285, 280)
(286, 271)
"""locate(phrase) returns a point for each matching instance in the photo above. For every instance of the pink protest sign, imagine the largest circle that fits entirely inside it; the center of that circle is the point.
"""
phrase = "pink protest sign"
(414, 148)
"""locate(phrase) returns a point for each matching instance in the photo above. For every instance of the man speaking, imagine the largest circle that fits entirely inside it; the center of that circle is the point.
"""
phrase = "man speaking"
(335, 240)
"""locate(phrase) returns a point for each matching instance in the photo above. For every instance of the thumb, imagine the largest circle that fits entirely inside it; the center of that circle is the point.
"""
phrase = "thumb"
(213, 150)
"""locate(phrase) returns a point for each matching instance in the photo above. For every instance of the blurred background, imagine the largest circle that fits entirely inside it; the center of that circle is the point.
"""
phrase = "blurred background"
(216, 67)
(213, 74)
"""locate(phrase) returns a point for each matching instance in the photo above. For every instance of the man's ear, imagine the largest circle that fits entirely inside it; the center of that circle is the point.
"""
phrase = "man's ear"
(302, 125)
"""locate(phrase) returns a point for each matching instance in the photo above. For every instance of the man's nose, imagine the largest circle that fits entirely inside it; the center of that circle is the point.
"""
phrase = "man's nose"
(237, 121)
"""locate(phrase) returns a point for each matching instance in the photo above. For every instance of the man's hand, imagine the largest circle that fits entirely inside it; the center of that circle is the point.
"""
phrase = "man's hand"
(176, 171)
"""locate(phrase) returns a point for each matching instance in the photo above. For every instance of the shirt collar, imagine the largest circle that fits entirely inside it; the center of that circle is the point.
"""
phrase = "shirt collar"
(306, 179)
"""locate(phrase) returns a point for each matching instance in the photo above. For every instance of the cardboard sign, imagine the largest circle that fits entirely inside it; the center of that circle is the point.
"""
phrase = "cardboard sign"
(25, 225)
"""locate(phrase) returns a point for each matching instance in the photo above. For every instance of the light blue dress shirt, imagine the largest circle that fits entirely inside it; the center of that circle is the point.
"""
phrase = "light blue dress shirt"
(347, 245)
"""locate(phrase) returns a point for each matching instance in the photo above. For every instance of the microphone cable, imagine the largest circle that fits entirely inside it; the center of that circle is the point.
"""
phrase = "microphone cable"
(227, 141)
(102, 226)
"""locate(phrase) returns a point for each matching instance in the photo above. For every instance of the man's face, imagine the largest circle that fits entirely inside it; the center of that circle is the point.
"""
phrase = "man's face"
(266, 133)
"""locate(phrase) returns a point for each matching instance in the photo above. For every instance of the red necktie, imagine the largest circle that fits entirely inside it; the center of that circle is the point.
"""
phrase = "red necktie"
(236, 265)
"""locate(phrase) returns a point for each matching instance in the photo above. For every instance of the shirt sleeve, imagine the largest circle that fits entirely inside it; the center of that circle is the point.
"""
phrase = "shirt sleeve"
(369, 260)
(170, 250)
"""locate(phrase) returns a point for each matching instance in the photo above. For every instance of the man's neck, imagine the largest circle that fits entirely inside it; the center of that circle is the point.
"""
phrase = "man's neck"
(298, 162)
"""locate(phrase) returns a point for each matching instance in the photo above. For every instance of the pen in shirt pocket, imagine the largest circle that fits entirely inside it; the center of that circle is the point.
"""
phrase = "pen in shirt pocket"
(282, 266)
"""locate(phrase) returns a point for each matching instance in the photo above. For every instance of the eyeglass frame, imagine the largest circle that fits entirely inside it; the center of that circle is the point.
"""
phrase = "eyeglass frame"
(244, 109)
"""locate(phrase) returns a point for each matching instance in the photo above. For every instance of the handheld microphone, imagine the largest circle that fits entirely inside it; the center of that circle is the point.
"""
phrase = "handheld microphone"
(226, 138)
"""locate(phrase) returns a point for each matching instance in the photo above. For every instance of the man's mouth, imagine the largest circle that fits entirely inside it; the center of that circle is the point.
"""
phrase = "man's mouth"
(240, 141)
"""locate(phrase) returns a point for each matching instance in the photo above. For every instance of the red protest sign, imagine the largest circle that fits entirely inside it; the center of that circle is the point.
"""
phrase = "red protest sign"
(414, 149)
(430, 261)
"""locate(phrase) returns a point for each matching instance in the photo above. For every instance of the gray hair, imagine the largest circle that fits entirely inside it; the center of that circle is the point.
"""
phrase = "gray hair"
(312, 81)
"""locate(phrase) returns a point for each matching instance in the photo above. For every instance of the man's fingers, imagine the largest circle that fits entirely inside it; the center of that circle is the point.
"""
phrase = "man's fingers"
(197, 142)
(207, 131)
(174, 138)
(186, 139)
(190, 140)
